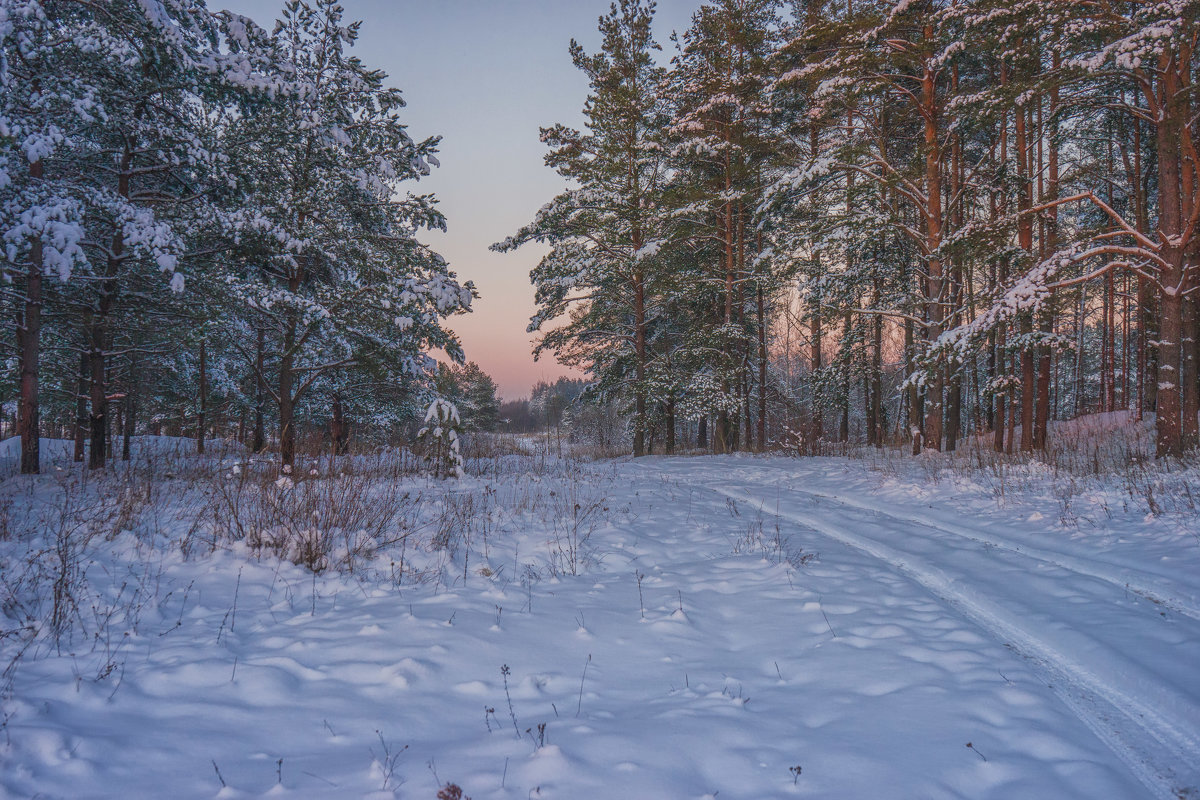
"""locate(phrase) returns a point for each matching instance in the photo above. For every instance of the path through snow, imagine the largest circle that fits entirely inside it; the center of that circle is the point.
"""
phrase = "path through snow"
(751, 628)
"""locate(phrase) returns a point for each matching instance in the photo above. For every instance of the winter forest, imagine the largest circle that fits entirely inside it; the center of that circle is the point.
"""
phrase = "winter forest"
(883, 221)
(880, 476)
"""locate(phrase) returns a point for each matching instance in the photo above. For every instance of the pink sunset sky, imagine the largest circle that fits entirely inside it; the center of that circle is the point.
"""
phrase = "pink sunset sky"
(485, 75)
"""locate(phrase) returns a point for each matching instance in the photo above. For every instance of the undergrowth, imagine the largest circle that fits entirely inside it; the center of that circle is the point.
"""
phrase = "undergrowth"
(1098, 465)
(520, 514)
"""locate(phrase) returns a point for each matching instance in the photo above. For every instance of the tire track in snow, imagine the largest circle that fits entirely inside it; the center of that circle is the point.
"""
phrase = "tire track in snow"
(1155, 740)
(1139, 582)
(1141, 585)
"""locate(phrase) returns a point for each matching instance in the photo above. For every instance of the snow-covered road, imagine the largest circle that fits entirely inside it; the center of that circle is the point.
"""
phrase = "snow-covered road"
(744, 628)
(1070, 614)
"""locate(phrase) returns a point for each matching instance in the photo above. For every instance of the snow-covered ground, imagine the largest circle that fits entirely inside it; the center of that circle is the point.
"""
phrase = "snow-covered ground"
(738, 627)
(59, 452)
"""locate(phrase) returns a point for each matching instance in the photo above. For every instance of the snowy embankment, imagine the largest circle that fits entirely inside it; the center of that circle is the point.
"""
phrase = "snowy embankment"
(671, 628)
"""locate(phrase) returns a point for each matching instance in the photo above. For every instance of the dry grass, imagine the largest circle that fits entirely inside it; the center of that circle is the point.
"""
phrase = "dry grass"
(369, 515)
(1084, 459)
(340, 520)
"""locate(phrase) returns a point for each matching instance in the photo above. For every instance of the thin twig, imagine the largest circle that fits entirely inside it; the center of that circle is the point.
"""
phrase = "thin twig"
(581, 680)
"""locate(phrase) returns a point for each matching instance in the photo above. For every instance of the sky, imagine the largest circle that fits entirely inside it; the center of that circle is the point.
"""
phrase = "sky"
(485, 75)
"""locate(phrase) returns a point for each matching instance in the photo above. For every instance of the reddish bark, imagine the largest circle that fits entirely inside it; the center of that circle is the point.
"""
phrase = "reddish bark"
(29, 340)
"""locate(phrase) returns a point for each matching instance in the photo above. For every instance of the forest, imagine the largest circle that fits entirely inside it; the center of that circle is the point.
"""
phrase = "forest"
(915, 221)
(797, 225)
(875, 473)
(206, 230)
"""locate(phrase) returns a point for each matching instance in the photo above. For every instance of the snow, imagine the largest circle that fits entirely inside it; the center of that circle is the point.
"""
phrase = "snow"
(49, 449)
(683, 627)
(59, 452)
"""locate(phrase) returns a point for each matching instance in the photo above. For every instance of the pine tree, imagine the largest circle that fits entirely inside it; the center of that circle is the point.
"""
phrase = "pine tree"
(606, 233)
(1136, 62)
(1151, 47)
(122, 104)
(139, 141)
(439, 441)
(336, 278)
(41, 219)
(473, 392)
(720, 151)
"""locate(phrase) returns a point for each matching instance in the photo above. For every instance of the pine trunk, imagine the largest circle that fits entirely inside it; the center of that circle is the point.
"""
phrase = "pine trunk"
(1169, 429)
(1190, 401)
(130, 412)
(1025, 241)
(1003, 398)
(202, 411)
(639, 327)
(1147, 346)
(81, 414)
(1174, 269)
(98, 418)
(338, 431)
(287, 426)
(29, 343)
(915, 410)
(844, 422)
(1049, 244)
(260, 396)
(762, 370)
(818, 417)
(97, 324)
(934, 300)
(1042, 426)
(878, 425)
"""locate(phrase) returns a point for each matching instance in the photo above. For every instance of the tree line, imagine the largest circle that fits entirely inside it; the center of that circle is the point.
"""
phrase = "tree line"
(914, 220)
(205, 229)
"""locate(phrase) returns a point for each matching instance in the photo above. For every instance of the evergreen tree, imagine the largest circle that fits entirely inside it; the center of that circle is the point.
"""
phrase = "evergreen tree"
(117, 149)
(139, 141)
(337, 279)
(41, 218)
(439, 441)
(473, 392)
(722, 154)
(605, 232)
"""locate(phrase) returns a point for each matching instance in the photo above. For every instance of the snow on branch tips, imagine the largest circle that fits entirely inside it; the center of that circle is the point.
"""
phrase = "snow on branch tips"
(438, 441)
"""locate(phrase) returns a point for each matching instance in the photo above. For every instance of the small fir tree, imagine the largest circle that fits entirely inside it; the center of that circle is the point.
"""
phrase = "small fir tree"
(438, 440)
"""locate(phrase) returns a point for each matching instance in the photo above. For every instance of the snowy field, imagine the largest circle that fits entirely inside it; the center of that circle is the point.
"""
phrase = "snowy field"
(732, 627)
